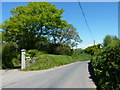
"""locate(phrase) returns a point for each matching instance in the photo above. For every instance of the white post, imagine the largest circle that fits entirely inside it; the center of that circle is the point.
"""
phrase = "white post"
(23, 51)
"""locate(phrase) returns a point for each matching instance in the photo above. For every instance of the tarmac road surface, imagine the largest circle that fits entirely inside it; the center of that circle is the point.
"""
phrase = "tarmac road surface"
(75, 75)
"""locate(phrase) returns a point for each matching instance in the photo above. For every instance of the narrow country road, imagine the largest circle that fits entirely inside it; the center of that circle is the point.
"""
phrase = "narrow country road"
(74, 75)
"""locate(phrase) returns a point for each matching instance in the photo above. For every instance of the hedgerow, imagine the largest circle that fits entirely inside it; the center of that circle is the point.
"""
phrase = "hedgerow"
(106, 67)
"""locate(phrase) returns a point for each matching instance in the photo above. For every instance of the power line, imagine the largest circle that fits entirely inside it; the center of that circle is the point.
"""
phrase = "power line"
(86, 21)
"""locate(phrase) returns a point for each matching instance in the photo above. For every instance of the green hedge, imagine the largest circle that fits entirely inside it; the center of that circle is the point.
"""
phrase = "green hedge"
(10, 55)
(59, 49)
(106, 66)
(92, 49)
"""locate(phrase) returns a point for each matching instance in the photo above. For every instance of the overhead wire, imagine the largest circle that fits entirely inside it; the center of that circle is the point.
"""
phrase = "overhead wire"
(86, 21)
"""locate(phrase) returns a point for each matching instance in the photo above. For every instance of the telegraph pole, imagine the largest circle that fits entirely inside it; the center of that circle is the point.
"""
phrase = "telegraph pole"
(94, 42)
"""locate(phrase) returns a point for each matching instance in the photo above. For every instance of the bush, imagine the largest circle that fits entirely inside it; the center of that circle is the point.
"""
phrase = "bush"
(79, 51)
(59, 49)
(106, 66)
(34, 52)
(9, 51)
(0, 56)
(92, 49)
(85, 55)
(16, 60)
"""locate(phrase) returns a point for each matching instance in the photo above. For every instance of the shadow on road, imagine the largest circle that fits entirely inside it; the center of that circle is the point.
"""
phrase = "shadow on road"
(92, 76)
(17, 67)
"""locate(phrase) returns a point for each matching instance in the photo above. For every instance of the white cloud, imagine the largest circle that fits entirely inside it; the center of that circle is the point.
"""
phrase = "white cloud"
(83, 46)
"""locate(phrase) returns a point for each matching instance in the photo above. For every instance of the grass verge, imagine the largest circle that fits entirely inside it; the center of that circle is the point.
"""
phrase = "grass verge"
(46, 61)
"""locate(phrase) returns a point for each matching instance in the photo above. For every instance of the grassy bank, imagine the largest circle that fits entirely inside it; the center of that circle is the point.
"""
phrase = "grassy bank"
(46, 61)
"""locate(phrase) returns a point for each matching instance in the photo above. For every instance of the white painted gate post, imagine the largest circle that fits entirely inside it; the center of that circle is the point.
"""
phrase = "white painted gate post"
(23, 51)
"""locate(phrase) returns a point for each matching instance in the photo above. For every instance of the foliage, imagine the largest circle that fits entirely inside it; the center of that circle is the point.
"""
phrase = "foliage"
(42, 44)
(115, 38)
(38, 25)
(9, 52)
(0, 56)
(48, 61)
(79, 51)
(33, 26)
(33, 23)
(108, 39)
(67, 35)
(106, 66)
(92, 49)
(0, 36)
(33, 53)
(16, 61)
(59, 49)
(86, 55)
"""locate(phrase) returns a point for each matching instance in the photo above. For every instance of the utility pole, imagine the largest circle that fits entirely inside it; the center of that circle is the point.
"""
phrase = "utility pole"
(94, 42)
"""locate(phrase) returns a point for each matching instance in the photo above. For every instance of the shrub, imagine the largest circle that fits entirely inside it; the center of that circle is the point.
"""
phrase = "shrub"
(85, 55)
(33, 53)
(92, 49)
(106, 66)
(79, 51)
(0, 56)
(59, 49)
(9, 51)
(16, 60)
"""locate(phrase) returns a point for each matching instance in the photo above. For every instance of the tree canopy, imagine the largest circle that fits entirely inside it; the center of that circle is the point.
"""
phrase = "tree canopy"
(108, 39)
(92, 49)
(67, 35)
(38, 22)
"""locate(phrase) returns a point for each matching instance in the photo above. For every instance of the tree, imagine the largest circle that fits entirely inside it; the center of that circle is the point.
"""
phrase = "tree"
(92, 49)
(67, 35)
(115, 38)
(32, 23)
(0, 37)
(108, 39)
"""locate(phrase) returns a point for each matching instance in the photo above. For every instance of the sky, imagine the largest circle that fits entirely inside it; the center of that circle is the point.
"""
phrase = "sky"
(102, 18)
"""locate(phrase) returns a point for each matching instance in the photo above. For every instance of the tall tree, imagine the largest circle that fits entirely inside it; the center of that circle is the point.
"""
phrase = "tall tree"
(115, 38)
(0, 36)
(32, 23)
(108, 39)
(67, 35)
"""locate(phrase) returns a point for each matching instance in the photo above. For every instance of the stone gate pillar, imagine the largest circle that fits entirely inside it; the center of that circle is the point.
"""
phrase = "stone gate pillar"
(23, 51)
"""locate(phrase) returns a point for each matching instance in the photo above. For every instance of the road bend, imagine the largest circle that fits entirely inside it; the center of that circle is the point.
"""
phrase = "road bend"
(75, 75)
